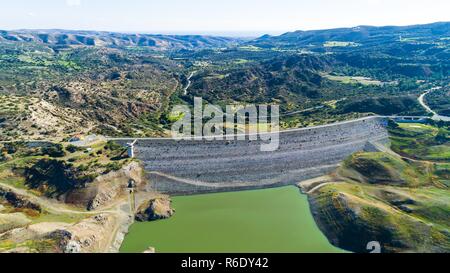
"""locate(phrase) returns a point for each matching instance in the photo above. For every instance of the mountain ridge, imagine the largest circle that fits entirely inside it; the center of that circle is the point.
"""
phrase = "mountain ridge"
(60, 37)
(360, 34)
(191, 41)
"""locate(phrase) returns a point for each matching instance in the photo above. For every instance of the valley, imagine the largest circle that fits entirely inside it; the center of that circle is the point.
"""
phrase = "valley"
(133, 84)
(70, 101)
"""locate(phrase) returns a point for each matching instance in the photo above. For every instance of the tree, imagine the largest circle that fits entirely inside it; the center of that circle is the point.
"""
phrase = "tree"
(54, 150)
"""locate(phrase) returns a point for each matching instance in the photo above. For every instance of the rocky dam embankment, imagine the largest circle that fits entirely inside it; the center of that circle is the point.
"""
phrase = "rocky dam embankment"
(181, 167)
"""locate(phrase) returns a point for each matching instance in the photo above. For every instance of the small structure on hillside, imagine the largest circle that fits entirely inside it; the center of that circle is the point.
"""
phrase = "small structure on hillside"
(76, 138)
(130, 149)
(131, 184)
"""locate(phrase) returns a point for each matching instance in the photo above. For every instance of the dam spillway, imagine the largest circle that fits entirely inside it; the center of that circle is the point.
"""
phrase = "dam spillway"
(181, 167)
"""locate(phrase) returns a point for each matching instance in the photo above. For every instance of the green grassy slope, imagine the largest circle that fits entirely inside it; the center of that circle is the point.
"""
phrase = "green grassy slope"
(403, 203)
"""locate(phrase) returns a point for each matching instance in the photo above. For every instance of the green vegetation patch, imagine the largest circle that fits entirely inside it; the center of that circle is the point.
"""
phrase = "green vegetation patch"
(353, 80)
(53, 169)
(421, 142)
(381, 168)
(402, 220)
(400, 202)
(45, 245)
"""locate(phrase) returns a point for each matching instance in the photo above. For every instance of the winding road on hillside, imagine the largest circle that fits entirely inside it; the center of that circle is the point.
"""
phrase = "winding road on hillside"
(422, 102)
(189, 83)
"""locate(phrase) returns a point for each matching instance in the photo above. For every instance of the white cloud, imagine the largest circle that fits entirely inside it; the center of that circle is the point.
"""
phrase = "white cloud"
(73, 3)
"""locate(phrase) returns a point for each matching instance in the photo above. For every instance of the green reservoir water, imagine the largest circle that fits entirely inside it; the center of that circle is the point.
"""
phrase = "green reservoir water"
(261, 221)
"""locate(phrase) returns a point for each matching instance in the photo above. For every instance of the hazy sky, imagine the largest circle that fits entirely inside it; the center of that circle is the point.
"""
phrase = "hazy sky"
(215, 16)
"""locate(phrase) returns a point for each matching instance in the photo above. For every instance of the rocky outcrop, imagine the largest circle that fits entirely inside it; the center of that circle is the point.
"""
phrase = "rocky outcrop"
(107, 188)
(91, 235)
(101, 232)
(150, 250)
(34, 238)
(155, 209)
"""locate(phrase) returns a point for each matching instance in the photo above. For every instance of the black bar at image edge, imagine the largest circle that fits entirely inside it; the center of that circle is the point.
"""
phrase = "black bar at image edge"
(226, 262)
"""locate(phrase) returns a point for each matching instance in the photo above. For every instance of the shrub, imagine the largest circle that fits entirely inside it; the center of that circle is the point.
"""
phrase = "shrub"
(113, 167)
(83, 168)
(442, 137)
(72, 149)
(54, 150)
(10, 148)
(53, 173)
(111, 145)
(56, 176)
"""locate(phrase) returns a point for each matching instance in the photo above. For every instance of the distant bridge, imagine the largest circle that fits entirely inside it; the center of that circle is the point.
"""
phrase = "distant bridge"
(410, 119)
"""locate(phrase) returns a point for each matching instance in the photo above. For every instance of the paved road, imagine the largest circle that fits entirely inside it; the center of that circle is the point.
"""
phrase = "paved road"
(185, 91)
(422, 102)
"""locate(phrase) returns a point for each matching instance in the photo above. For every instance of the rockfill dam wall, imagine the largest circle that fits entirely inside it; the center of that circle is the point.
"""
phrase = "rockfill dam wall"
(199, 166)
